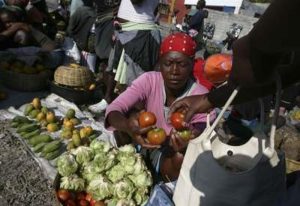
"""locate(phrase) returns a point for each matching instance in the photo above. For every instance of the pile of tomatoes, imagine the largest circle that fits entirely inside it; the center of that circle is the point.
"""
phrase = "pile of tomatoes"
(68, 198)
(158, 135)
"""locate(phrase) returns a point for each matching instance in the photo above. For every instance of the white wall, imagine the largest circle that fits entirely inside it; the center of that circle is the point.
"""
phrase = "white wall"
(233, 3)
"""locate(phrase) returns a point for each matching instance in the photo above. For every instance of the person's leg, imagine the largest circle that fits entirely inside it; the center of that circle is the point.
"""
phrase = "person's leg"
(110, 84)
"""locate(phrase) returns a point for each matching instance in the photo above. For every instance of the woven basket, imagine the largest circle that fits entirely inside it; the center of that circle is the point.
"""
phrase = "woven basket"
(73, 76)
(25, 82)
(292, 165)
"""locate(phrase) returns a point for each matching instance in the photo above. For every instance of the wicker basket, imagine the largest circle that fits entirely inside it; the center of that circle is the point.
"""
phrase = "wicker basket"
(25, 82)
(73, 76)
(292, 165)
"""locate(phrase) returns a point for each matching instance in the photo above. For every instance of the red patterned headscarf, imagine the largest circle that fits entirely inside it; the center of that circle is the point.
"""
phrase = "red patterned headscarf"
(179, 42)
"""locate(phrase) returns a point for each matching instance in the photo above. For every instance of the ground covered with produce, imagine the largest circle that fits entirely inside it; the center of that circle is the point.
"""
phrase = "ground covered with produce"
(63, 157)
(53, 153)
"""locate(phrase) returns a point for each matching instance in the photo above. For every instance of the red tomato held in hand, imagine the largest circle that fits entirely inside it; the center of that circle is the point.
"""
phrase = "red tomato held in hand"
(156, 136)
(63, 194)
(147, 119)
(177, 119)
(185, 134)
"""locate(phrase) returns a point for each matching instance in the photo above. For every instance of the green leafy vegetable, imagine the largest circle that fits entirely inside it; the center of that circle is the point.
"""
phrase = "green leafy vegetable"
(72, 182)
(66, 165)
(100, 146)
(100, 188)
(143, 179)
(83, 154)
(124, 189)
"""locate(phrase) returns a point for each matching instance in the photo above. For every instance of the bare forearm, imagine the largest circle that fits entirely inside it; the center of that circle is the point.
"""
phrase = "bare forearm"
(118, 121)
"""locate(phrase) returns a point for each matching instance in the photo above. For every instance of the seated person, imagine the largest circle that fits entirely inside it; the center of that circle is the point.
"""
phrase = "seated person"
(15, 33)
(18, 3)
(157, 91)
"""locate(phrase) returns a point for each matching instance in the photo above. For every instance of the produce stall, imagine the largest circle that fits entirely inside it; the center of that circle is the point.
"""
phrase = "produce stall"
(62, 156)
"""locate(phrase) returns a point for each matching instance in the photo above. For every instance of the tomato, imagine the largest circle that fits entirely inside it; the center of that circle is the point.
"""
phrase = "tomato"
(93, 202)
(70, 203)
(88, 197)
(156, 136)
(147, 119)
(80, 196)
(63, 195)
(84, 203)
(177, 119)
(99, 203)
(185, 134)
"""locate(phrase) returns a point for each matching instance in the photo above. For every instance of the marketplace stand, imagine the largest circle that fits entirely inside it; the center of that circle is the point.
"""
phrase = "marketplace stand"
(108, 184)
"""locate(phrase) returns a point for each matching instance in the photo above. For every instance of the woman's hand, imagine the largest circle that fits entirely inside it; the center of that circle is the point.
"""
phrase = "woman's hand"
(191, 105)
(14, 27)
(176, 142)
(138, 134)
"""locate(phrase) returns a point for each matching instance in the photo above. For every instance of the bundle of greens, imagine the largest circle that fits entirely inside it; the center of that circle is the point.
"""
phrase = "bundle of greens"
(108, 174)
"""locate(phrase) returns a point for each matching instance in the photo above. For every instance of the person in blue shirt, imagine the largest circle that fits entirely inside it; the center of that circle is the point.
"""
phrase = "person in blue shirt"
(196, 22)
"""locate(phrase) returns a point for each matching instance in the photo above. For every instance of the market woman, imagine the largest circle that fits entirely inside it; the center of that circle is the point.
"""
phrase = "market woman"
(136, 48)
(157, 91)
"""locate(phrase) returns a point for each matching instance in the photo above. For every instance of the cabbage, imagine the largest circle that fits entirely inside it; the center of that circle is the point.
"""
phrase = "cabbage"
(125, 203)
(66, 165)
(139, 165)
(93, 167)
(100, 158)
(100, 188)
(111, 202)
(143, 179)
(122, 202)
(111, 159)
(116, 173)
(126, 158)
(72, 182)
(141, 196)
(127, 149)
(83, 154)
(127, 161)
(90, 176)
(123, 189)
(100, 146)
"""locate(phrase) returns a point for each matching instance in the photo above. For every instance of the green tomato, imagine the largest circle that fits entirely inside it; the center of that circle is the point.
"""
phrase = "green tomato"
(185, 134)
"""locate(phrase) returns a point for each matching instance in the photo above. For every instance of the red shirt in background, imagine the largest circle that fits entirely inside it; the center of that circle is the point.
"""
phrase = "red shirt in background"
(198, 74)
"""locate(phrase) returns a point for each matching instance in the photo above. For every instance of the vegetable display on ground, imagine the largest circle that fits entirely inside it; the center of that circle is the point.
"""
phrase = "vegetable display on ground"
(104, 175)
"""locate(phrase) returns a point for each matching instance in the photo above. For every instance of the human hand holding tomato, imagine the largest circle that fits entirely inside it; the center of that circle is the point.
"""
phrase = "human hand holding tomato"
(191, 105)
(146, 119)
(177, 142)
(137, 133)
(156, 136)
(177, 120)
